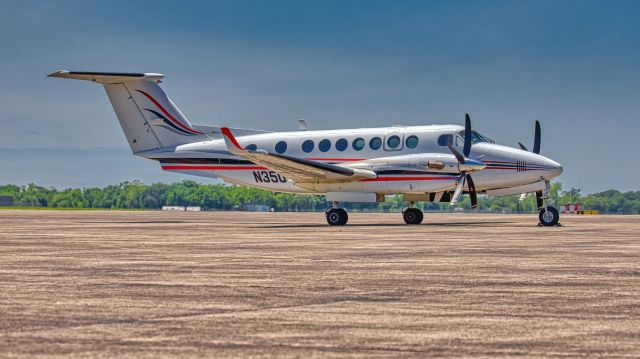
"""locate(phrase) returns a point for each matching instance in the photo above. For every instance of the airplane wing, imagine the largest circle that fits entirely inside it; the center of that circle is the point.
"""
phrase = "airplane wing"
(298, 169)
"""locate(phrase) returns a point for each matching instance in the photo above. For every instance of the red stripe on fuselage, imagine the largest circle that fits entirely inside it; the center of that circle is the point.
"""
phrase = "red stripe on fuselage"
(408, 178)
(212, 168)
(490, 161)
(336, 159)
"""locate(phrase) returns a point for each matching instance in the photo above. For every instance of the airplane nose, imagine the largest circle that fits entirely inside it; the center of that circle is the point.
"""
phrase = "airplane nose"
(554, 169)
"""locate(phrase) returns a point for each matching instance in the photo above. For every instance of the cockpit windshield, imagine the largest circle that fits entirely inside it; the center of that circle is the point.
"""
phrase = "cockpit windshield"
(475, 137)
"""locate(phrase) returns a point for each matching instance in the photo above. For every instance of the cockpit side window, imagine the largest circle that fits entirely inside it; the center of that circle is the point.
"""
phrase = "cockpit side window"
(445, 140)
(475, 138)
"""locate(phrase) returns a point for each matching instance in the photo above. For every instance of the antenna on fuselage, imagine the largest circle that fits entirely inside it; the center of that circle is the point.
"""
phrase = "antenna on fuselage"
(302, 125)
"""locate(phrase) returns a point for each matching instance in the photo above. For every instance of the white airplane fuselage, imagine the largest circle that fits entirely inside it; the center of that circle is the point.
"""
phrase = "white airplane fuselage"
(400, 169)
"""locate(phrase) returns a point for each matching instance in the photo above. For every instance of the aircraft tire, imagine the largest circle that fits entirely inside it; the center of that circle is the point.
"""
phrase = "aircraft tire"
(550, 217)
(337, 217)
(412, 216)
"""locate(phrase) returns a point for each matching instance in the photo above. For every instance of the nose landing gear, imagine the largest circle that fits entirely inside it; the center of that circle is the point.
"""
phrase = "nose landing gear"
(547, 215)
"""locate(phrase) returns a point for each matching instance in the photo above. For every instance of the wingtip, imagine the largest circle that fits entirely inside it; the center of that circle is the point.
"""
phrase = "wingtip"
(59, 73)
(230, 140)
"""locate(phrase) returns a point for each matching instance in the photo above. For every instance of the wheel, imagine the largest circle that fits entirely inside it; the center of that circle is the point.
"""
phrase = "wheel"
(549, 217)
(344, 217)
(337, 217)
(412, 216)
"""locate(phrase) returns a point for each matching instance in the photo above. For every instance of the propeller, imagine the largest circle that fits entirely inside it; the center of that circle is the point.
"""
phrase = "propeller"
(472, 192)
(536, 149)
(466, 166)
(536, 140)
(522, 147)
(467, 135)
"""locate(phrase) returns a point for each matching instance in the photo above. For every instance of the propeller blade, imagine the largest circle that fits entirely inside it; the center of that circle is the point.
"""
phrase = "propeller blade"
(458, 155)
(467, 135)
(522, 146)
(539, 201)
(536, 138)
(458, 191)
(472, 192)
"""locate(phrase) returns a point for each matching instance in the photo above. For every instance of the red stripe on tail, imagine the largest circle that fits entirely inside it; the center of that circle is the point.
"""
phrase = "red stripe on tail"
(169, 115)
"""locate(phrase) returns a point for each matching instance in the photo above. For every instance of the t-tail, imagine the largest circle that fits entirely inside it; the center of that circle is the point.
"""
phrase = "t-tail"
(149, 119)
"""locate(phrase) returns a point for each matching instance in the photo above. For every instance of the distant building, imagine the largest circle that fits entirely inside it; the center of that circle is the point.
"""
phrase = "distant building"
(182, 208)
(172, 208)
(254, 207)
(6, 200)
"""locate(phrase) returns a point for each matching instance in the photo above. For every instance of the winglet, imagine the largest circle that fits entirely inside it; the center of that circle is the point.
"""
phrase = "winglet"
(232, 144)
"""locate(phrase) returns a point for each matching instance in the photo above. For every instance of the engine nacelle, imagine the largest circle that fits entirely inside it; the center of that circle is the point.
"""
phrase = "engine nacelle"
(432, 162)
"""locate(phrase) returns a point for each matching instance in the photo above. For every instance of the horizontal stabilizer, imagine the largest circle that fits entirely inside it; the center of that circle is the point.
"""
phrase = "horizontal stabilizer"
(107, 77)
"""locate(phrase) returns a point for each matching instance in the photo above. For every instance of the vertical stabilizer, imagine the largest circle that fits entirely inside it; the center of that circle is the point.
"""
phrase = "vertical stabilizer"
(149, 119)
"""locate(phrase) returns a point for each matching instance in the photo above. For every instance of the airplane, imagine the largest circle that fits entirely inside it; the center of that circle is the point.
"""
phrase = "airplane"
(434, 163)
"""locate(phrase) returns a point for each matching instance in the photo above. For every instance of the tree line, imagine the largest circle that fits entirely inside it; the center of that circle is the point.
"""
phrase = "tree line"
(137, 195)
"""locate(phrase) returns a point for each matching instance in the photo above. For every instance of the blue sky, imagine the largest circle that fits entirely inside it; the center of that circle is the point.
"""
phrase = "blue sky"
(573, 65)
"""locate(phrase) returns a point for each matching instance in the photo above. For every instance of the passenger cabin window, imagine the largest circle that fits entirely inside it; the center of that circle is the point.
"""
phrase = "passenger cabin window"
(412, 141)
(281, 147)
(342, 144)
(251, 147)
(375, 143)
(393, 141)
(307, 146)
(324, 145)
(358, 144)
(445, 140)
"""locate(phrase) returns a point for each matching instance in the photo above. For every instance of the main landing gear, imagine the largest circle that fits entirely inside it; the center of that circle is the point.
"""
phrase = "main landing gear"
(412, 215)
(547, 215)
(336, 216)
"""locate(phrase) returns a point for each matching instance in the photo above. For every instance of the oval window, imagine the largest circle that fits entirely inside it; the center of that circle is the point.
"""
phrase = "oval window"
(342, 144)
(307, 146)
(358, 144)
(324, 145)
(281, 147)
(445, 140)
(393, 141)
(251, 147)
(375, 143)
(412, 141)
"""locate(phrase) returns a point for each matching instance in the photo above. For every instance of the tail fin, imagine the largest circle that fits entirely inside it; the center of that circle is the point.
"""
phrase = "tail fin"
(147, 116)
